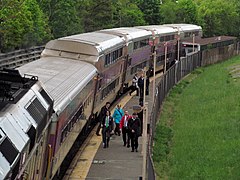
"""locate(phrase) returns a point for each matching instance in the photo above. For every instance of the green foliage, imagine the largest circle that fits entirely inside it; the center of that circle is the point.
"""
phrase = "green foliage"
(204, 121)
(186, 12)
(12, 27)
(168, 12)
(215, 15)
(39, 31)
(22, 24)
(98, 15)
(64, 16)
(151, 11)
(127, 14)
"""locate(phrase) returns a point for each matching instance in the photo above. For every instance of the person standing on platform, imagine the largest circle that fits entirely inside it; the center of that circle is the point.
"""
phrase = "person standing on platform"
(141, 89)
(107, 127)
(124, 129)
(117, 115)
(134, 86)
(134, 126)
(101, 116)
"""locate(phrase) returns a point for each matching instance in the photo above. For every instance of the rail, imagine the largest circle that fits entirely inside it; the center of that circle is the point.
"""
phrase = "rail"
(19, 57)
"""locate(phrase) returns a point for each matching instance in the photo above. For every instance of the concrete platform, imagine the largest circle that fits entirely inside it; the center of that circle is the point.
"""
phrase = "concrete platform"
(93, 162)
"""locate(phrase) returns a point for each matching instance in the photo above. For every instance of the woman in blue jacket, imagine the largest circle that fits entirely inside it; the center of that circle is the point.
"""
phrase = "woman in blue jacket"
(117, 115)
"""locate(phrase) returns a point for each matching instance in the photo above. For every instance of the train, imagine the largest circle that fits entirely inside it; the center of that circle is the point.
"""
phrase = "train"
(79, 74)
(25, 115)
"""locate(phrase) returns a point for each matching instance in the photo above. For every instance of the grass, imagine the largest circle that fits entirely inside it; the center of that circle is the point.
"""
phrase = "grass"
(198, 135)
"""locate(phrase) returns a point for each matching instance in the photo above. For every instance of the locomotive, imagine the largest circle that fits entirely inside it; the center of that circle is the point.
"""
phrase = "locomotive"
(25, 115)
(82, 72)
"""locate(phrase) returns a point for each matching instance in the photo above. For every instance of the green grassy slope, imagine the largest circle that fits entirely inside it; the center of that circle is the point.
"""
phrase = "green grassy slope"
(198, 136)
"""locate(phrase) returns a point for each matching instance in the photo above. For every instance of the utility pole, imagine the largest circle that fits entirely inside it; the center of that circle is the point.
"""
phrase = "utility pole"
(193, 42)
(178, 41)
(144, 143)
(154, 70)
(165, 61)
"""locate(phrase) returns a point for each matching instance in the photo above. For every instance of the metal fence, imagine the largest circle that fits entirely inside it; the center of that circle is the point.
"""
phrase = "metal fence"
(172, 76)
(17, 58)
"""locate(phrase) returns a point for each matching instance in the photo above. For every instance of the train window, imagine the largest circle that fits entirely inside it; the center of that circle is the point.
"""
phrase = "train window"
(15, 170)
(187, 34)
(109, 88)
(129, 62)
(167, 38)
(135, 45)
(68, 127)
(2, 135)
(8, 150)
(144, 43)
(32, 135)
(120, 52)
(107, 59)
(48, 99)
(110, 58)
(162, 39)
(38, 113)
(137, 67)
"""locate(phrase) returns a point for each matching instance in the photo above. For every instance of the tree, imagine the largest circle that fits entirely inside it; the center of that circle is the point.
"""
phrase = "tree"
(38, 31)
(218, 17)
(22, 24)
(168, 12)
(64, 16)
(151, 10)
(186, 12)
(97, 14)
(14, 22)
(127, 14)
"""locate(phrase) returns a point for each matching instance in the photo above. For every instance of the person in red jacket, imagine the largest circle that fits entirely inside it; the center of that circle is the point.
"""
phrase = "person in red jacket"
(124, 129)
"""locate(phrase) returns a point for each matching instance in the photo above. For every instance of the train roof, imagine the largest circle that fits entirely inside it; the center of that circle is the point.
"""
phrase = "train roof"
(159, 29)
(129, 33)
(63, 78)
(185, 27)
(92, 44)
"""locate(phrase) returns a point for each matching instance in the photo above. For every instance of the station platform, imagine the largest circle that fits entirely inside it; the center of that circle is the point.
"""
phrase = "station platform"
(93, 162)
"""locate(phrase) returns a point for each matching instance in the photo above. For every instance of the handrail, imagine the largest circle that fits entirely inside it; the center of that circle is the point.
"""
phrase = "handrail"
(19, 57)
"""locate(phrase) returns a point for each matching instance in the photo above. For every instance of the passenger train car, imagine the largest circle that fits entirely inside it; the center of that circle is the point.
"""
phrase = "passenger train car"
(25, 111)
(137, 51)
(104, 51)
(81, 73)
(72, 86)
(133, 53)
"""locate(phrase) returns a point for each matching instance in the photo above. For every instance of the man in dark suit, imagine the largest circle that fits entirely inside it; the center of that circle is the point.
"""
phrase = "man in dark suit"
(101, 116)
(134, 126)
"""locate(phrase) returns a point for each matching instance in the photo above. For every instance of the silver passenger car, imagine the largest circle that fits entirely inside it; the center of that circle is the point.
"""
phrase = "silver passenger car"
(104, 51)
(71, 84)
(137, 49)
